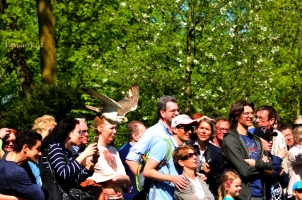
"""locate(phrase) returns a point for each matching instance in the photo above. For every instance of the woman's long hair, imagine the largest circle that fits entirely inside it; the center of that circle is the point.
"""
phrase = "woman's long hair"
(60, 132)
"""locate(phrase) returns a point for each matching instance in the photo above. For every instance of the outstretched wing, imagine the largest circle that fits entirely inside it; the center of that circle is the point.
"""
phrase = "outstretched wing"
(129, 103)
(109, 105)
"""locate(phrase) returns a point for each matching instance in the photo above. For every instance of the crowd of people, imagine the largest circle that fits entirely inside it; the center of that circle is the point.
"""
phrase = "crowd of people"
(249, 156)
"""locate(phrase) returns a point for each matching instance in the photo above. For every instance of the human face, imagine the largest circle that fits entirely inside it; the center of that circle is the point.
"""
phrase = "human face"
(141, 130)
(262, 119)
(34, 153)
(8, 144)
(222, 127)
(289, 137)
(107, 132)
(84, 132)
(204, 132)
(183, 132)
(170, 112)
(298, 194)
(246, 118)
(189, 162)
(75, 136)
(234, 188)
(267, 144)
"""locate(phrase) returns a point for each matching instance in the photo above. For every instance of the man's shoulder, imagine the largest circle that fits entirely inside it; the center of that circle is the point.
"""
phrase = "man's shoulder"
(156, 127)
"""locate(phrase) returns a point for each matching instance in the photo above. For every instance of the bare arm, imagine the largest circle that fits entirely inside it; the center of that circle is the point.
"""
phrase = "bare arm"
(133, 166)
(151, 172)
(8, 197)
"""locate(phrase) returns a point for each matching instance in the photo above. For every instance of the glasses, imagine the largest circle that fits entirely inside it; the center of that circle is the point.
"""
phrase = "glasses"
(7, 142)
(189, 155)
(296, 125)
(82, 132)
(223, 129)
(186, 128)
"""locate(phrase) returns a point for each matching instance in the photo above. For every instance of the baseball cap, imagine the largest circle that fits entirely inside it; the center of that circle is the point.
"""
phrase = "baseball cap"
(297, 185)
(265, 132)
(183, 120)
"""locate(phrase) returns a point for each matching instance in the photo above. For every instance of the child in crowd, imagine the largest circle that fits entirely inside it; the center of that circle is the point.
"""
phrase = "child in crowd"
(230, 185)
(297, 190)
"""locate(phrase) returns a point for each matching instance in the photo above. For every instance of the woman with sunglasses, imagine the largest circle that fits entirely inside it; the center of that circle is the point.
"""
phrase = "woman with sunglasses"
(210, 160)
(186, 158)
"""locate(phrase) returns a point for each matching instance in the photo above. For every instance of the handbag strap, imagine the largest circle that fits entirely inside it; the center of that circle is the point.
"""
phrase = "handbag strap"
(53, 174)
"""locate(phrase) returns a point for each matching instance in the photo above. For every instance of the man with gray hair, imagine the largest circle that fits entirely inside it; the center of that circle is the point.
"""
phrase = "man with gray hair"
(167, 109)
(135, 132)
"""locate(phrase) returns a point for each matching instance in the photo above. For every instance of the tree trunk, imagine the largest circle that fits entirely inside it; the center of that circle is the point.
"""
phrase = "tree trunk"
(47, 41)
(23, 73)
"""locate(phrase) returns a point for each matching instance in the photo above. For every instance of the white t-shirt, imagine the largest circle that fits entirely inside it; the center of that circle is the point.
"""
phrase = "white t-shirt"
(198, 189)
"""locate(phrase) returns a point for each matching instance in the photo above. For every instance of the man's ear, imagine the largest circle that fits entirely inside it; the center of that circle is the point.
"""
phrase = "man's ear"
(25, 148)
(162, 113)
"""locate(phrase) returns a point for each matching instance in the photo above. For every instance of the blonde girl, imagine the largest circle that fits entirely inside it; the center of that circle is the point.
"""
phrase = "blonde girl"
(230, 185)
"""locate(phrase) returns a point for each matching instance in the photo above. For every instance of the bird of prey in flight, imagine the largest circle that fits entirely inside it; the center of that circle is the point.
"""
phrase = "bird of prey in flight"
(114, 111)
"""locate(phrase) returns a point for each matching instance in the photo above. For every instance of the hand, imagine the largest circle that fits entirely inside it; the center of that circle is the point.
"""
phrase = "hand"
(180, 182)
(282, 152)
(251, 162)
(90, 150)
(265, 158)
(4, 132)
(281, 172)
(206, 168)
(202, 176)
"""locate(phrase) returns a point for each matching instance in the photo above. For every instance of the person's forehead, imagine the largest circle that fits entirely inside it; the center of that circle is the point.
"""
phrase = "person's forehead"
(83, 125)
(171, 104)
(222, 123)
(298, 121)
(262, 113)
(247, 108)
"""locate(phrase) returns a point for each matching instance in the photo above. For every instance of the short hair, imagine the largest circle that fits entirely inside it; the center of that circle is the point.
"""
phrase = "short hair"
(60, 132)
(282, 127)
(297, 133)
(26, 136)
(162, 104)
(236, 110)
(133, 128)
(227, 178)
(221, 119)
(42, 123)
(180, 152)
(271, 112)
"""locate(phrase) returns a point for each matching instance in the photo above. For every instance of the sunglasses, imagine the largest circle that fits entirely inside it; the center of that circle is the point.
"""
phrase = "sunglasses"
(189, 155)
(296, 125)
(186, 128)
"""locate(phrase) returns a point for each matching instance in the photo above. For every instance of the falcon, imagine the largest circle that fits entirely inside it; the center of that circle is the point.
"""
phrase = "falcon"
(114, 111)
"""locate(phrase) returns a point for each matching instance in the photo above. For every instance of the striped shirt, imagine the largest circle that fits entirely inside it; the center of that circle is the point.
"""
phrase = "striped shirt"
(62, 169)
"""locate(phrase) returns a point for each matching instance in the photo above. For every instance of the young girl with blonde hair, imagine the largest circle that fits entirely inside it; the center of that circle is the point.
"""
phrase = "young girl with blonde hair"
(230, 185)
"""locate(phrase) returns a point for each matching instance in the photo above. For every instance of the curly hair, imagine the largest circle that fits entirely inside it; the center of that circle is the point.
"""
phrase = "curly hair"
(41, 124)
(60, 132)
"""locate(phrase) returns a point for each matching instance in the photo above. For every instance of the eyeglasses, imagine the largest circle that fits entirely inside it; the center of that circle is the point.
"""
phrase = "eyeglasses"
(186, 128)
(296, 125)
(82, 132)
(189, 155)
(7, 142)
(298, 190)
(223, 129)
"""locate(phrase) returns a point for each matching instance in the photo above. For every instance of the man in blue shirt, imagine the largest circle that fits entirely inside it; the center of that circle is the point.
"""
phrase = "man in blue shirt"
(135, 132)
(167, 109)
(167, 177)
(16, 176)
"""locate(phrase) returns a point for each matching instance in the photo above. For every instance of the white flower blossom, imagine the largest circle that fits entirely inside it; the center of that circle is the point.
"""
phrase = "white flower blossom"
(118, 48)
(180, 52)
(238, 62)
(105, 80)
(123, 4)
